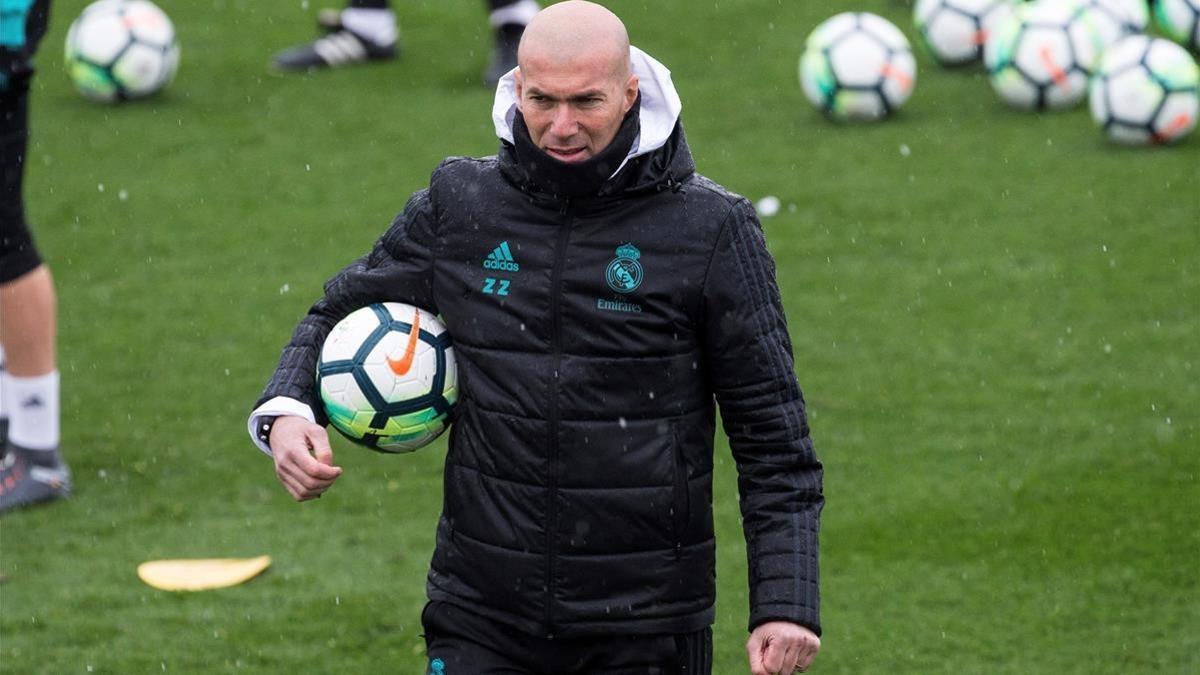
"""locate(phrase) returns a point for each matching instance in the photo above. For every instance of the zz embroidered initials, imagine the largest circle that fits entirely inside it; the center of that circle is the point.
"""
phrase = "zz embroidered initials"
(490, 286)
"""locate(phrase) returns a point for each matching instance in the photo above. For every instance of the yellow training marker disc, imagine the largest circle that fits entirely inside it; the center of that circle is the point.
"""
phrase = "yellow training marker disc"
(201, 574)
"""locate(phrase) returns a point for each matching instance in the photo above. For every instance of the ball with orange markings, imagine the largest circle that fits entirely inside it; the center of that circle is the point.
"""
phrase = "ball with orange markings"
(1032, 57)
(955, 31)
(1145, 92)
(119, 50)
(387, 377)
(857, 66)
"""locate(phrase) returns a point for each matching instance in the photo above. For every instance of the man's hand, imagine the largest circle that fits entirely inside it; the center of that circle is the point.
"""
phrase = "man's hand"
(781, 648)
(303, 458)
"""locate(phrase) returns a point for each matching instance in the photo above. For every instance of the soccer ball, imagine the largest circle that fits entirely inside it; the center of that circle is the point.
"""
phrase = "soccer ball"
(956, 30)
(121, 49)
(1146, 91)
(1133, 14)
(857, 65)
(387, 377)
(1110, 20)
(1042, 55)
(1180, 19)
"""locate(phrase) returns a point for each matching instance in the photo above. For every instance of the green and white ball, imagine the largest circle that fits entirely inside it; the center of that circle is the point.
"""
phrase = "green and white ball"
(1134, 14)
(1146, 92)
(1108, 21)
(388, 378)
(1180, 19)
(857, 65)
(955, 31)
(1041, 56)
(119, 50)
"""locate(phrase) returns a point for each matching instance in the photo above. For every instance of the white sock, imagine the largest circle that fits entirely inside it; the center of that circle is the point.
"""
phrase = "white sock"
(32, 404)
(376, 25)
(519, 12)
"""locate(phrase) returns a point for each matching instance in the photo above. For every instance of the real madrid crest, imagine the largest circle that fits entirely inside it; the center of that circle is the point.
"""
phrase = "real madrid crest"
(624, 274)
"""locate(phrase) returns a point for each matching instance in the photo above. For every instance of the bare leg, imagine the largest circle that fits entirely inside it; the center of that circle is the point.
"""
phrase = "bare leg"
(27, 324)
(32, 470)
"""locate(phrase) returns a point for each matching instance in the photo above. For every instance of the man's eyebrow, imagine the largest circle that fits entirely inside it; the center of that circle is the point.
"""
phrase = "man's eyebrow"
(583, 96)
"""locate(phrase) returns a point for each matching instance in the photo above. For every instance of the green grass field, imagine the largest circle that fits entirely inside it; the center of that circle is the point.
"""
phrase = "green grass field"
(998, 333)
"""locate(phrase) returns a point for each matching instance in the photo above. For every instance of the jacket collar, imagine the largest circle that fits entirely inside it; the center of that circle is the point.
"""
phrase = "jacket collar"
(578, 179)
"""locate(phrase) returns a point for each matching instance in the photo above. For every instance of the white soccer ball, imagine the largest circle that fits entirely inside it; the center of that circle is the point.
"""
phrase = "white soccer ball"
(121, 49)
(857, 65)
(956, 30)
(1146, 92)
(1108, 21)
(1180, 19)
(1134, 14)
(388, 377)
(1042, 55)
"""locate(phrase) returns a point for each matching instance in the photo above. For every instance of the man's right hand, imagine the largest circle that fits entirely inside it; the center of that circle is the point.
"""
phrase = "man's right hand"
(303, 458)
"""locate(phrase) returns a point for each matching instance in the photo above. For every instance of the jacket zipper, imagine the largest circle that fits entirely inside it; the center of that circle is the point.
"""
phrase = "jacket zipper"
(556, 337)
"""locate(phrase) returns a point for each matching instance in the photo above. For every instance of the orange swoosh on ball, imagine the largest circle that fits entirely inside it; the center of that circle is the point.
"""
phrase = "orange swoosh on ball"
(1056, 73)
(1181, 122)
(400, 366)
(888, 70)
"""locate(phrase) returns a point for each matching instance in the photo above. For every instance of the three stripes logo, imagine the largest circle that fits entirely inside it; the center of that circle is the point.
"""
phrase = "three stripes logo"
(501, 259)
(340, 48)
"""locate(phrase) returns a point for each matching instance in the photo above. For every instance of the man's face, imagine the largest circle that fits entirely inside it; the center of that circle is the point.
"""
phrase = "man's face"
(573, 108)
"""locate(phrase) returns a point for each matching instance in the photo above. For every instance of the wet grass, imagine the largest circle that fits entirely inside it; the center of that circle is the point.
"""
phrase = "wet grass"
(995, 327)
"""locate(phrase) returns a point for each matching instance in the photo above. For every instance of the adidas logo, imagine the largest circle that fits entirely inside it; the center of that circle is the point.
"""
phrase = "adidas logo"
(501, 259)
(34, 401)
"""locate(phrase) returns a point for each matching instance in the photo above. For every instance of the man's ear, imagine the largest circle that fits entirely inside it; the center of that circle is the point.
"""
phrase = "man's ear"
(631, 93)
(520, 87)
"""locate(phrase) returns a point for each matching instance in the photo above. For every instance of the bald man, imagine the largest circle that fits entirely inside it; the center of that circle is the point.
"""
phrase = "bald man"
(576, 534)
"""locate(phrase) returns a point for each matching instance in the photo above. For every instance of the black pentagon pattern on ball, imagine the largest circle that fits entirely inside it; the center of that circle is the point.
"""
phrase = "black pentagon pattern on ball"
(122, 94)
(1147, 125)
(976, 19)
(1078, 14)
(384, 410)
(1042, 87)
(877, 88)
(1122, 19)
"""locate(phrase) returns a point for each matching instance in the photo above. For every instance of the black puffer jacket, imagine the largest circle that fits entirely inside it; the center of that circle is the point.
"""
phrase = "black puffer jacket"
(592, 336)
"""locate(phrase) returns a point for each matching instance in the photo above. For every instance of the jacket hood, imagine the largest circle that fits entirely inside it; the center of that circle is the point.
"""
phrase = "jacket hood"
(659, 155)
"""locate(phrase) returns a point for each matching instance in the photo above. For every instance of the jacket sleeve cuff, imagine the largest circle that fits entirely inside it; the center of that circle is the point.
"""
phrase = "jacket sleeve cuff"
(804, 616)
(276, 407)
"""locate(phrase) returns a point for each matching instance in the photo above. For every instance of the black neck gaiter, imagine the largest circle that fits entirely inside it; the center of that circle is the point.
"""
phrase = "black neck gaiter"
(574, 179)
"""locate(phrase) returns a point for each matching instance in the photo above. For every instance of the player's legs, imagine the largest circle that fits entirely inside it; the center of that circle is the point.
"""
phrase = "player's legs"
(31, 470)
(512, 11)
(26, 291)
(508, 19)
(366, 30)
(27, 324)
(330, 18)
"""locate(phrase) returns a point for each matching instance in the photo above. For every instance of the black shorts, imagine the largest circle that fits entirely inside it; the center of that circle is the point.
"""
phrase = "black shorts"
(18, 254)
(460, 642)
